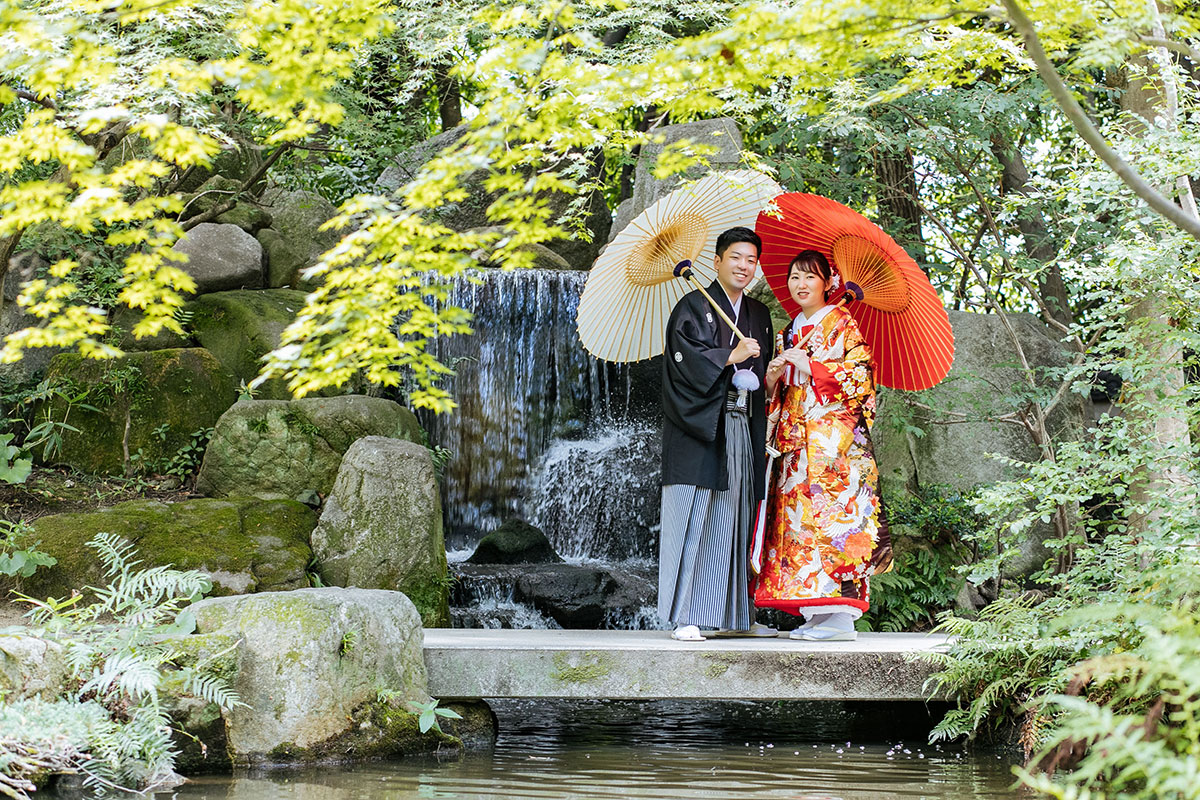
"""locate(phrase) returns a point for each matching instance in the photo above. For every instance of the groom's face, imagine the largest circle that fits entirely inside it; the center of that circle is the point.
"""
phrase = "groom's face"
(737, 266)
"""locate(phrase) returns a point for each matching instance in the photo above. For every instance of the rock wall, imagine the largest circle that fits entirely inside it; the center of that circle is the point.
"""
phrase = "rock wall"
(985, 381)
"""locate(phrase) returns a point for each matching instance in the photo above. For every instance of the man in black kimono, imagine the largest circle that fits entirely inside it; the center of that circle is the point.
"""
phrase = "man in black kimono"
(714, 448)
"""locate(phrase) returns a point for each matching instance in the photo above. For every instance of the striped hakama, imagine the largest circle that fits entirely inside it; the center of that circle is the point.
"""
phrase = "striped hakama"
(703, 562)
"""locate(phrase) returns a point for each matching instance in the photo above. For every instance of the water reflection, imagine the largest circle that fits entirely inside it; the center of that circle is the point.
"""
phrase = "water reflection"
(577, 750)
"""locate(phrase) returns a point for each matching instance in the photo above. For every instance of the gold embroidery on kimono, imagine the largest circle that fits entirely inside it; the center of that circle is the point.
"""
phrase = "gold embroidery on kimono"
(823, 513)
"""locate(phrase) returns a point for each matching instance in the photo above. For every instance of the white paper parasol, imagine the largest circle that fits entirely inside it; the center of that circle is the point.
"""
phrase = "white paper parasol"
(633, 287)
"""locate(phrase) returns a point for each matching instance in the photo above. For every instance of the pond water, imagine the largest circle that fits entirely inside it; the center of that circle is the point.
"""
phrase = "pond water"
(674, 750)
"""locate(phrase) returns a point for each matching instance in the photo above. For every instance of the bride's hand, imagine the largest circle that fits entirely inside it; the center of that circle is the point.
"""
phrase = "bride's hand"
(798, 358)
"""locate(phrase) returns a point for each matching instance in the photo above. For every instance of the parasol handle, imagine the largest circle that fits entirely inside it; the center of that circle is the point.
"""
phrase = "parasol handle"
(684, 270)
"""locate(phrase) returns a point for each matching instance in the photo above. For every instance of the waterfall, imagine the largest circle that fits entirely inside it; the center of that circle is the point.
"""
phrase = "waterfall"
(547, 432)
(598, 498)
(522, 380)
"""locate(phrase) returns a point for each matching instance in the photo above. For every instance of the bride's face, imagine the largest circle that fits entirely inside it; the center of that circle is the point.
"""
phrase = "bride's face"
(807, 289)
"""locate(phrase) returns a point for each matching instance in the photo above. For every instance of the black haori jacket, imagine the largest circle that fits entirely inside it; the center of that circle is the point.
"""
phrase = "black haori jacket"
(695, 383)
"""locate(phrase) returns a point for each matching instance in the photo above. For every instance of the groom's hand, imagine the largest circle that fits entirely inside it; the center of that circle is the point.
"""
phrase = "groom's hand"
(746, 348)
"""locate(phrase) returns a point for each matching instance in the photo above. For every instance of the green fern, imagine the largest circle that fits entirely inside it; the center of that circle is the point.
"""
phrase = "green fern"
(124, 656)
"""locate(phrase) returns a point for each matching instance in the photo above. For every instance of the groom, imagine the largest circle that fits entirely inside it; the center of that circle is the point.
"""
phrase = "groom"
(714, 442)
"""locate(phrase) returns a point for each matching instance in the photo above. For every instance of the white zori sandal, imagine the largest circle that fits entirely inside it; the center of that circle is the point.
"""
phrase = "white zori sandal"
(828, 626)
(824, 633)
(687, 633)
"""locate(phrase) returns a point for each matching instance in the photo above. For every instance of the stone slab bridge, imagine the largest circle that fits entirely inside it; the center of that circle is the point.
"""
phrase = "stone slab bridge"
(649, 665)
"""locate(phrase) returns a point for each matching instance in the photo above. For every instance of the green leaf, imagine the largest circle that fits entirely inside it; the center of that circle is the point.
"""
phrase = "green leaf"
(17, 471)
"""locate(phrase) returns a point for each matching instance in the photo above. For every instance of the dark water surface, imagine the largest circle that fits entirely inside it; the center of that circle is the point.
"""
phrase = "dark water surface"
(559, 750)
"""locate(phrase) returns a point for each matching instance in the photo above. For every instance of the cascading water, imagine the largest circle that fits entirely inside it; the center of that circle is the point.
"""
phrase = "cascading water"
(522, 380)
(599, 498)
(546, 432)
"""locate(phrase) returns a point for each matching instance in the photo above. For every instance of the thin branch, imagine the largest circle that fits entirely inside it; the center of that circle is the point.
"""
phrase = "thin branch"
(1172, 45)
(221, 208)
(1089, 133)
(44, 102)
(961, 418)
(1076, 363)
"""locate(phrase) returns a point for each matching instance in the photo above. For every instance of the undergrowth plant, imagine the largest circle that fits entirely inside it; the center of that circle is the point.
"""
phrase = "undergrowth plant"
(122, 643)
(925, 577)
(1127, 725)
(1101, 680)
(19, 557)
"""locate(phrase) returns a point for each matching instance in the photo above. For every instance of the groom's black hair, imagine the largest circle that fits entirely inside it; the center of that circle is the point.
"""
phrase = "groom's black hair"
(739, 234)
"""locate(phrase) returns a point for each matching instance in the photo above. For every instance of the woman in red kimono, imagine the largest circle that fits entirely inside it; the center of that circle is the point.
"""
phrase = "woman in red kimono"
(824, 534)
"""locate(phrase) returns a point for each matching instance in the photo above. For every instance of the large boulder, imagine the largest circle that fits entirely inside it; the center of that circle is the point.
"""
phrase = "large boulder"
(36, 360)
(295, 240)
(515, 542)
(244, 544)
(22, 268)
(123, 319)
(721, 133)
(579, 596)
(148, 409)
(221, 257)
(289, 448)
(325, 674)
(471, 212)
(985, 368)
(542, 257)
(382, 526)
(240, 327)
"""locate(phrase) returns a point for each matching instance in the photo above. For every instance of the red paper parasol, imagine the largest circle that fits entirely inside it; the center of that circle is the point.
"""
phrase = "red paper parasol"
(896, 308)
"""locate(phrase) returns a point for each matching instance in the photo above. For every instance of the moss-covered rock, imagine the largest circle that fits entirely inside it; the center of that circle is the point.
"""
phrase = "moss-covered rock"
(382, 526)
(284, 260)
(245, 544)
(123, 319)
(240, 327)
(477, 727)
(247, 216)
(327, 674)
(297, 217)
(147, 407)
(208, 195)
(515, 542)
(282, 448)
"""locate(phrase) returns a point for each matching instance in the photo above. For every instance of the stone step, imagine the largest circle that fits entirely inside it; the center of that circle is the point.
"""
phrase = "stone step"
(648, 665)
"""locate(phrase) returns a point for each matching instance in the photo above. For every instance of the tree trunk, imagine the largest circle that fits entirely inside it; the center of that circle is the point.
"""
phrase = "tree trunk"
(1153, 405)
(901, 215)
(1039, 245)
(449, 100)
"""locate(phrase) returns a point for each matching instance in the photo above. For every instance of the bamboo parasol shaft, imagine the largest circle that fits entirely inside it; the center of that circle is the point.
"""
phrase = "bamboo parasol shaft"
(686, 272)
